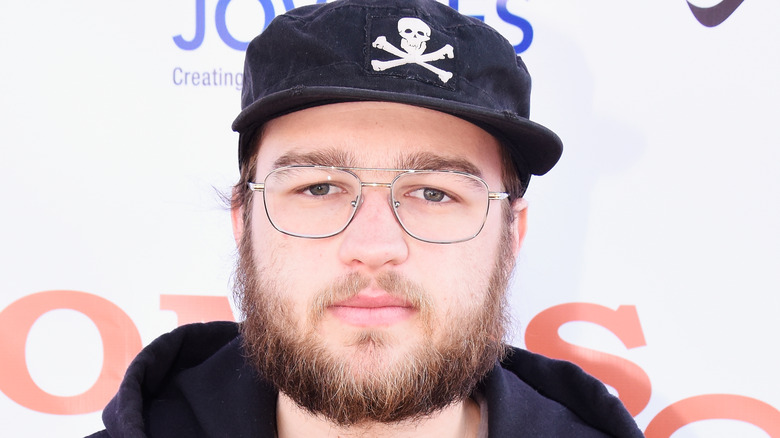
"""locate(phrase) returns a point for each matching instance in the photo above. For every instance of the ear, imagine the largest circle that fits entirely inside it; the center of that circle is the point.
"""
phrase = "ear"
(519, 210)
(237, 217)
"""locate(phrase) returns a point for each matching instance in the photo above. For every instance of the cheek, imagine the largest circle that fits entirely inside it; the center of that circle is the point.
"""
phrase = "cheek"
(478, 262)
(299, 268)
(457, 280)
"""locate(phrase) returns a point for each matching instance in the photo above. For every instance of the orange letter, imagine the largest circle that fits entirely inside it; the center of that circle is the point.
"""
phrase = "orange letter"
(121, 342)
(714, 407)
(630, 381)
(197, 308)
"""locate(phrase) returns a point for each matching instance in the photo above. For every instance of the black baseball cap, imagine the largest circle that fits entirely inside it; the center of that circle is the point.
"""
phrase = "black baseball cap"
(417, 52)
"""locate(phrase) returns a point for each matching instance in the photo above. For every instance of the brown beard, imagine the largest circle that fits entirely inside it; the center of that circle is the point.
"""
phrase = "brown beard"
(364, 387)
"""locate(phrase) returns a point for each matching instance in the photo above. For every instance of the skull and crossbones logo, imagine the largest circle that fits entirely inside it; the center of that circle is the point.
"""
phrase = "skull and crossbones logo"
(414, 37)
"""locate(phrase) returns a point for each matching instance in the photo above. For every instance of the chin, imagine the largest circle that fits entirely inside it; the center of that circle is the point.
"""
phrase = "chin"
(372, 348)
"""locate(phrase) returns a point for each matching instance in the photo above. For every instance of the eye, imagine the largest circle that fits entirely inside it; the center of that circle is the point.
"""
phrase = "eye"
(320, 189)
(431, 195)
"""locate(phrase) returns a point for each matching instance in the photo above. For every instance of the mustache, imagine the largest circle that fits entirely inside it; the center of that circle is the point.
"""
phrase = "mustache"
(350, 285)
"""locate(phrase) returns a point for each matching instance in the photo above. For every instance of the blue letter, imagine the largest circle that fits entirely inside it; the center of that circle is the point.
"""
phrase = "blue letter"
(200, 28)
(288, 4)
(521, 23)
(454, 5)
(222, 30)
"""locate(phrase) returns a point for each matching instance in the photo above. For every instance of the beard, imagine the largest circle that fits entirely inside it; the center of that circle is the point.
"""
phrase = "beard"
(368, 384)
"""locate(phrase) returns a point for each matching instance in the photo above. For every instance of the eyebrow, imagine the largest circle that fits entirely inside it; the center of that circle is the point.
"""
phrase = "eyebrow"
(328, 157)
(415, 161)
(429, 161)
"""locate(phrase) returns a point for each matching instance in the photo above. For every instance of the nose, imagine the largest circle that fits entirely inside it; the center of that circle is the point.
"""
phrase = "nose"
(374, 238)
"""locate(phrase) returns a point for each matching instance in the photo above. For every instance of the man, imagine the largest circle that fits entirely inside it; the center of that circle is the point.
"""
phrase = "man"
(384, 150)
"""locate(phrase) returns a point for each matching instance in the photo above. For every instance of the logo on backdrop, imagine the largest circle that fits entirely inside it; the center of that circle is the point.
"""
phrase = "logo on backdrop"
(223, 30)
(715, 15)
(406, 55)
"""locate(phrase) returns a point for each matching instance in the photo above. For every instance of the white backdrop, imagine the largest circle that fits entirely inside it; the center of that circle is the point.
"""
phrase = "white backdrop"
(666, 201)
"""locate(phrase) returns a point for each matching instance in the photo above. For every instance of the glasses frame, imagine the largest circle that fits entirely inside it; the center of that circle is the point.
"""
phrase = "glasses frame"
(394, 204)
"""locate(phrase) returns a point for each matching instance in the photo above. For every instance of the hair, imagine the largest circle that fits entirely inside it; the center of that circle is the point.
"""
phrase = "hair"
(242, 195)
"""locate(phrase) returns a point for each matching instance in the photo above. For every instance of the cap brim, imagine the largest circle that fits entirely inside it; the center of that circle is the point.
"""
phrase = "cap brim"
(535, 148)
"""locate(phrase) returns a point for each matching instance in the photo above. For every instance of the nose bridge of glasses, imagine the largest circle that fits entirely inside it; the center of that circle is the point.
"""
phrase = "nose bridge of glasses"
(371, 184)
(375, 181)
(375, 184)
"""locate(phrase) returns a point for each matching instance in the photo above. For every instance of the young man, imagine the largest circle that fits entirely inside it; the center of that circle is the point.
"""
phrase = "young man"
(384, 150)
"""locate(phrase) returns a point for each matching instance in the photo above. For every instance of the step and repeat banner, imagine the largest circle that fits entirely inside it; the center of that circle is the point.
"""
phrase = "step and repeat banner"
(652, 257)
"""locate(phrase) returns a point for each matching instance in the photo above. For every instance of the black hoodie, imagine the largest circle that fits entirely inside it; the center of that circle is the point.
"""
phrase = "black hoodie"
(195, 382)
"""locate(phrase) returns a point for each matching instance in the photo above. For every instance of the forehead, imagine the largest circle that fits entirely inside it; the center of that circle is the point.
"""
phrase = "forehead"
(377, 134)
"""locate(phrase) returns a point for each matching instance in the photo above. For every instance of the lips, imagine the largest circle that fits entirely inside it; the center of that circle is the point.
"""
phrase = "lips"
(372, 309)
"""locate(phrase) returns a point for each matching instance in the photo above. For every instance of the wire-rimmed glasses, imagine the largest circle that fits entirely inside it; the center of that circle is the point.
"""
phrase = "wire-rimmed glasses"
(436, 206)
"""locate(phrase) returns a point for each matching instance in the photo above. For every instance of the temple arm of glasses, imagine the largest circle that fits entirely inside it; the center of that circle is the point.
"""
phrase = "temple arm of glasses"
(255, 187)
(498, 195)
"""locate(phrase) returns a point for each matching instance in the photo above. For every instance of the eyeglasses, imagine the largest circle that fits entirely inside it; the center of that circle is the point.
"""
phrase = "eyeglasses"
(436, 206)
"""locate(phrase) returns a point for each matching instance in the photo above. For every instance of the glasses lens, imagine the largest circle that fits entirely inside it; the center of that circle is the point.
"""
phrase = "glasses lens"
(310, 202)
(440, 206)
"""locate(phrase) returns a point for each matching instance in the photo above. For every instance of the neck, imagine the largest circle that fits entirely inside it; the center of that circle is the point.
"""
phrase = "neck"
(459, 420)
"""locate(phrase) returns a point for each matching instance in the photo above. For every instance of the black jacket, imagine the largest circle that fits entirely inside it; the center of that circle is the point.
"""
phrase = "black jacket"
(195, 382)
